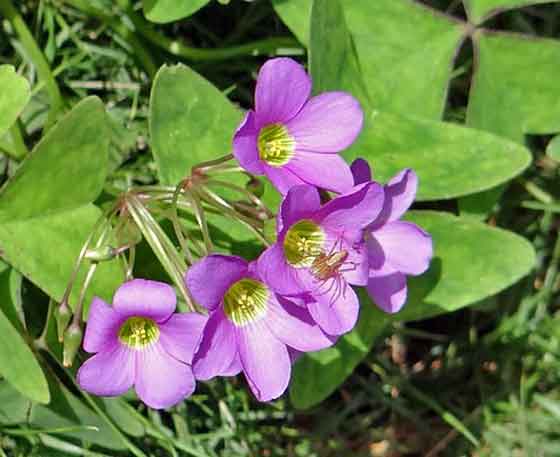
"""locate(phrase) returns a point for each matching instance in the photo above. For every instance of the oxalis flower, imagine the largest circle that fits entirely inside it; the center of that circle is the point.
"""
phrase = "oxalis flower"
(320, 251)
(250, 328)
(395, 248)
(294, 139)
(140, 342)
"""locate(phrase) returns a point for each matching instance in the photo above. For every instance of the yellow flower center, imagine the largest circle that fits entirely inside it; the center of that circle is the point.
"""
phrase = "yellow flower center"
(303, 243)
(138, 332)
(276, 145)
(245, 301)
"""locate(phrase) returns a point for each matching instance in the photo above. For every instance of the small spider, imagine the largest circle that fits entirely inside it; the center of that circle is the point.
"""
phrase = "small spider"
(328, 269)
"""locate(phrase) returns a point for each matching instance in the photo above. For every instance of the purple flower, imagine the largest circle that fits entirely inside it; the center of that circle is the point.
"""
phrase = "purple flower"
(395, 248)
(140, 342)
(250, 328)
(294, 139)
(320, 251)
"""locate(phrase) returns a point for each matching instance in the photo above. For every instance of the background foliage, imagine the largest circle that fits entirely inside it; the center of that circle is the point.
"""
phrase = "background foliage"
(99, 95)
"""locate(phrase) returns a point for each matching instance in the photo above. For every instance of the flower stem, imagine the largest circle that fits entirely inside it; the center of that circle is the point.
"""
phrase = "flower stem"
(204, 167)
(20, 148)
(254, 199)
(104, 218)
(215, 200)
(174, 218)
(161, 245)
(200, 218)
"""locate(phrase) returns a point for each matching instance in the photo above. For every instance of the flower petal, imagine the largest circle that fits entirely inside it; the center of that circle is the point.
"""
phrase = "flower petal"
(161, 380)
(217, 348)
(401, 191)
(328, 171)
(102, 326)
(142, 297)
(388, 290)
(299, 203)
(108, 373)
(283, 86)
(353, 211)
(282, 178)
(294, 327)
(329, 122)
(210, 278)
(245, 147)
(407, 247)
(234, 368)
(335, 316)
(276, 273)
(181, 335)
(265, 360)
(355, 270)
(361, 171)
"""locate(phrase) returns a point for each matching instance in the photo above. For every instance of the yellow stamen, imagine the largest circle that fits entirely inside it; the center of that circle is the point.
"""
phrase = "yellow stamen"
(276, 145)
(303, 243)
(138, 332)
(245, 301)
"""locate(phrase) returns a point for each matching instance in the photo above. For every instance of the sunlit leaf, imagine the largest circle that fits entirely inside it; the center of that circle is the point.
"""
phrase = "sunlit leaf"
(163, 11)
(191, 121)
(18, 364)
(450, 160)
(66, 169)
(513, 94)
(405, 50)
(481, 10)
(14, 95)
(45, 249)
(553, 148)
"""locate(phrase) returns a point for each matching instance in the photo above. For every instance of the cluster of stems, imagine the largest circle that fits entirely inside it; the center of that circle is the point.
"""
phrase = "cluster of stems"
(137, 215)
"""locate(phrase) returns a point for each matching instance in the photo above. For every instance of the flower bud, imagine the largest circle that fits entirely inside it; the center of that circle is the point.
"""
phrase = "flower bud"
(255, 186)
(62, 315)
(72, 342)
(100, 254)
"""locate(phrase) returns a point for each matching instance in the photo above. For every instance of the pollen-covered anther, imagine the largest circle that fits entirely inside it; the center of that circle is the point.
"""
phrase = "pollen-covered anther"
(276, 145)
(245, 301)
(138, 332)
(303, 243)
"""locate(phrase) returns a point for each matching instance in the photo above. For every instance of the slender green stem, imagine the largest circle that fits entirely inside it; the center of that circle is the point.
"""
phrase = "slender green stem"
(131, 260)
(19, 144)
(214, 199)
(42, 340)
(252, 197)
(174, 217)
(89, 276)
(34, 51)
(537, 192)
(549, 207)
(203, 167)
(201, 219)
(179, 49)
(102, 219)
(162, 247)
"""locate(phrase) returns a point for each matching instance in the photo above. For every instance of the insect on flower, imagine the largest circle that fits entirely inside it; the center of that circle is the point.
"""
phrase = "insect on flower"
(320, 251)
